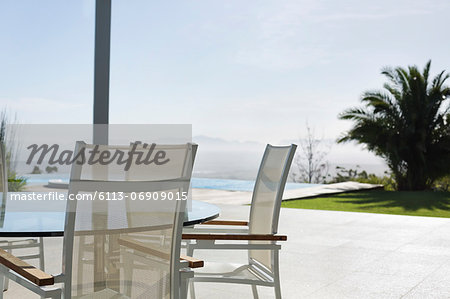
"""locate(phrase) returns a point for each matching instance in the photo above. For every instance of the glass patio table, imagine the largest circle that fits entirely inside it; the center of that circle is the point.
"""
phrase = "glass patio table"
(38, 221)
(41, 223)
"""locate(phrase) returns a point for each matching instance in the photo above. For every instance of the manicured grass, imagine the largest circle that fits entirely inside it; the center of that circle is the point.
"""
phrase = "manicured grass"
(424, 203)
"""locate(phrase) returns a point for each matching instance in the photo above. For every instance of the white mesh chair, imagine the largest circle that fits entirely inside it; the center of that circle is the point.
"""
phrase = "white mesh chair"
(112, 226)
(19, 244)
(260, 231)
(148, 238)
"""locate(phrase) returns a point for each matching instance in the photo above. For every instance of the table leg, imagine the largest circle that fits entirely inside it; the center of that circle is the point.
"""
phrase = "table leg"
(113, 261)
(99, 263)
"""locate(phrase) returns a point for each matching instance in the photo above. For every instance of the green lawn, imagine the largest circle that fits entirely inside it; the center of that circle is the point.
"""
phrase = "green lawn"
(425, 203)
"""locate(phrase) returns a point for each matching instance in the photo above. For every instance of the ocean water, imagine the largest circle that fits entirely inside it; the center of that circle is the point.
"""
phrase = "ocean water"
(236, 185)
(202, 183)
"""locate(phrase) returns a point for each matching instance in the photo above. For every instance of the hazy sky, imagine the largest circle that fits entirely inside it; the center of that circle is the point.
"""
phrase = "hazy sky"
(238, 70)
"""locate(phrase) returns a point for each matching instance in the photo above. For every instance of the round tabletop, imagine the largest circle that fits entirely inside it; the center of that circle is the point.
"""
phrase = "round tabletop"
(51, 224)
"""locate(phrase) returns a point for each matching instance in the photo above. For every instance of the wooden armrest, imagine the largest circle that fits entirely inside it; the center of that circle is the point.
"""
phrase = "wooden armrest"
(145, 248)
(31, 273)
(236, 237)
(193, 262)
(226, 222)
(142, 247)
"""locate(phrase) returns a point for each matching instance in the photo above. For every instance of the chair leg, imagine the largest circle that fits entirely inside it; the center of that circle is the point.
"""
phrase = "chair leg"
(189, 249)
(192, 289)
(57, 296)
(277, 290)
(127, 272)
(5, 284)
(2, 280)
(190, 252)
(276, 275)
(162, 285)
(80, 261)
(41, 254)
(255, 292)
(183, 288)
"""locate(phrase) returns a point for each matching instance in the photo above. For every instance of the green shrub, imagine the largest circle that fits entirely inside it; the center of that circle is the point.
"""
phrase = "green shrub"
(442, 184)
(16, 183)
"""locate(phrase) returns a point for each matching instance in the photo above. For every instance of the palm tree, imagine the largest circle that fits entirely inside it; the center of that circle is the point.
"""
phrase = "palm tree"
(408, 124)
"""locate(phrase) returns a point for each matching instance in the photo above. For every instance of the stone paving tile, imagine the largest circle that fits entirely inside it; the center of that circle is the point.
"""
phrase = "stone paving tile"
(368, 285)
(436, 285)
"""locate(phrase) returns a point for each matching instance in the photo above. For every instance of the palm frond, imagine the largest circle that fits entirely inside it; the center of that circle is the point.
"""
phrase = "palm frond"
(355, 114)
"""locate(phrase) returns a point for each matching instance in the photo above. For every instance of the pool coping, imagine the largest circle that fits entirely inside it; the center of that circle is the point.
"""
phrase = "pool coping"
(328, 189)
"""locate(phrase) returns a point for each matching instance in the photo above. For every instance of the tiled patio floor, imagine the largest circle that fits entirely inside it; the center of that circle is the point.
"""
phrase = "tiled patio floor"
(355, 255)
(337, 255)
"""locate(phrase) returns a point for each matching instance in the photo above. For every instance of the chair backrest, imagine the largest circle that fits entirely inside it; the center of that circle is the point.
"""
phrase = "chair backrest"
(128, 205)
(267, 195)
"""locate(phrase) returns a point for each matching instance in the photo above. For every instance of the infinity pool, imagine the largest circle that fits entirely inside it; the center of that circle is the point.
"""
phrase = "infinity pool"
(235, 185)
(202, 183)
